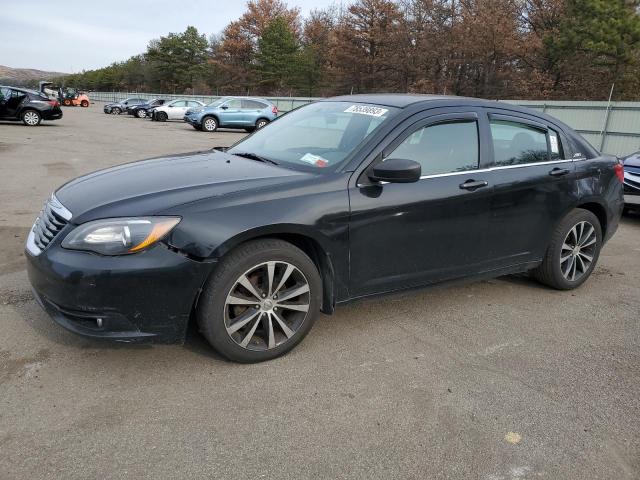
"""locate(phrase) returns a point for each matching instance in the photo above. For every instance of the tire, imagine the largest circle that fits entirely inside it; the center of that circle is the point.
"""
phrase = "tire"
(116, 111)
(209, 124)
(224, 300)
(31, 118)
(161, 116)
(261, 123)
(67, 102)
(582, 228)
(141, 113)
(84, 104)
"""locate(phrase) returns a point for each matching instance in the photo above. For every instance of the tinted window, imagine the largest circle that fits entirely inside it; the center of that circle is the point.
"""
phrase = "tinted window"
(180, 103)
(442, 148)
(516, 143)
(253, 105)
(193, 104)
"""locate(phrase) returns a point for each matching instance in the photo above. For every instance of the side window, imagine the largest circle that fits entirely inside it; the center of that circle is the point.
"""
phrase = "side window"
(442, 148)
(234, 104)
(517, 144)
(180, 103)
(253, 105)
(555, 144)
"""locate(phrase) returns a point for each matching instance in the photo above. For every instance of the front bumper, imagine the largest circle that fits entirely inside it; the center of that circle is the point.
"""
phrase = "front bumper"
(192, 120)
(140, 297)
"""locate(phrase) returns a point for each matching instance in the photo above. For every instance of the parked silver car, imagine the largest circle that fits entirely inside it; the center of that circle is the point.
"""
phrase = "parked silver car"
(174, 110)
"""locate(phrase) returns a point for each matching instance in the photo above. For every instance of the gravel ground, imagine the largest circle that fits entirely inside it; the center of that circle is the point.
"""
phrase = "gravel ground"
(502, 379)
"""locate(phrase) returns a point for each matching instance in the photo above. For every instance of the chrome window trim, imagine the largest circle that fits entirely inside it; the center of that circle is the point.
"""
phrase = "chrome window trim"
(479, 170)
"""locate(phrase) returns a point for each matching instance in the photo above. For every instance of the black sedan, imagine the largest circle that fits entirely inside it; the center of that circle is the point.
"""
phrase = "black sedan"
(28, 106)
(142, 110)
(341, 199)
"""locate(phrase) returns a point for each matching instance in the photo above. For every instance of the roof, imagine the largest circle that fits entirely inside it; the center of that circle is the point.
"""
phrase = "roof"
(403, 100)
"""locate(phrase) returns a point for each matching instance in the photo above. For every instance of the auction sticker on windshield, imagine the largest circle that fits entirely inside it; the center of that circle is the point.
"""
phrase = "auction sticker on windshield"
(367, 110)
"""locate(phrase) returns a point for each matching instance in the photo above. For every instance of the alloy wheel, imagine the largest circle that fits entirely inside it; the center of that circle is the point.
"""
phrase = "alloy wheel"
(261, 124)
(210, 125)
(142, 113)
(578, 251)
(267, 305)
(31, 118)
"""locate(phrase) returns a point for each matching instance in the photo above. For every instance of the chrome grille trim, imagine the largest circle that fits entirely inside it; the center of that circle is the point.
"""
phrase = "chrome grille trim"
(53, 217)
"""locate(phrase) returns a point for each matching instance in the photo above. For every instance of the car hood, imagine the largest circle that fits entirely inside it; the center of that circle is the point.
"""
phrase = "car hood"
(149, 187)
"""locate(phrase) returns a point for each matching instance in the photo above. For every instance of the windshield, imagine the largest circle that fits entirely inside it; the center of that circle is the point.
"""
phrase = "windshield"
(316, 136)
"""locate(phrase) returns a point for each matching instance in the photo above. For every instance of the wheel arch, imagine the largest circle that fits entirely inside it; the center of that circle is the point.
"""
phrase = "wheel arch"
(305, 241)
(599, 211)
(213, 115)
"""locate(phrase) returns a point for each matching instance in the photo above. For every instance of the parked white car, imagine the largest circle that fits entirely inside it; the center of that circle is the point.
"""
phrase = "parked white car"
(174, 110)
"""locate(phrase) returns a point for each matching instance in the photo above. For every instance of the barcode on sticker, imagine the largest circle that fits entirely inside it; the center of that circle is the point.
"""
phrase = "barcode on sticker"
(367, 110)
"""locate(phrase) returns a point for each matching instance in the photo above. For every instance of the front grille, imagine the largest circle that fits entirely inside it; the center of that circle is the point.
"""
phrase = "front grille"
(53, 218)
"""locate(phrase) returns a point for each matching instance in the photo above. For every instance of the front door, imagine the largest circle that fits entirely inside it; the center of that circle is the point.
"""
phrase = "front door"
(404, 235)
(177, 110)
(232, 113)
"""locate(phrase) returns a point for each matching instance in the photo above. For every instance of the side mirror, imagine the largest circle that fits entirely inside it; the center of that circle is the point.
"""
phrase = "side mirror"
(396, 170)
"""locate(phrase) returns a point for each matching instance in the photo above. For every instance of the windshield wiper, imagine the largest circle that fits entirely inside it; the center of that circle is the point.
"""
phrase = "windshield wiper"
(255, 156)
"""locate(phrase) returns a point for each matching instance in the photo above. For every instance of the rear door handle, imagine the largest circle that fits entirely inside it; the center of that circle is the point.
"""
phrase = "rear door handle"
(473, 184)
(558, 172)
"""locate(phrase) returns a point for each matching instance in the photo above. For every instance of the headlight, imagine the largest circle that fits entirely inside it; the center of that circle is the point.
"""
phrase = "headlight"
(119, 236)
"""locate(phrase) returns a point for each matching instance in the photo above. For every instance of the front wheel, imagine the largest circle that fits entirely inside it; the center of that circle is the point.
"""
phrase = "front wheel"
(31, 118)
(115, 111)
(260, 302)
(573, 251)
(141, 113)
(209, 124)
(67, 102)
(161, 116)
(84, 104)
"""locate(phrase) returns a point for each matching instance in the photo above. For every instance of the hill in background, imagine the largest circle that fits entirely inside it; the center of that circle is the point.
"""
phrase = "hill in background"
(24, 76)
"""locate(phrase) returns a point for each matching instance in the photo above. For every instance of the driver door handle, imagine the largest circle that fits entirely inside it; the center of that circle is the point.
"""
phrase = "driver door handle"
(473, 184)
(558, 172)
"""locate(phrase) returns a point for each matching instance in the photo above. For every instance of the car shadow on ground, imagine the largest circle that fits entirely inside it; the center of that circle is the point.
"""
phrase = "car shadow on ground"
(18, 123)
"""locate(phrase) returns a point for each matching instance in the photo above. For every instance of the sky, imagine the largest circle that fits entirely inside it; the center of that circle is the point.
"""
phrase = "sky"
(73, 35)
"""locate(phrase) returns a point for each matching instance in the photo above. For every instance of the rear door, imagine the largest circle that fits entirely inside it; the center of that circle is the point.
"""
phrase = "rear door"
(404, 235)
(252, 111)
(534, 185)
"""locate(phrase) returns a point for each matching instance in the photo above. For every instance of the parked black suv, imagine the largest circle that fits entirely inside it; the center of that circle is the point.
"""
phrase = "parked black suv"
(117, 108)
(142, 110)
(28, 106)
(344, 198)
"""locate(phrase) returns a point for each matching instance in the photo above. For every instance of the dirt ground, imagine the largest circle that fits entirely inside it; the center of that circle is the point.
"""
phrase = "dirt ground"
(502, 379)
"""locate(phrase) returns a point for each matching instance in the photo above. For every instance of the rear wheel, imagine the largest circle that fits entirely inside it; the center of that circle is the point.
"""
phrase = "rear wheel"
(141, 113)
(31, 118)
(67, 102)
(209, 124)
(84, 103)
(261, 123)
(573, 251)
(260, 302)
(161, 116)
